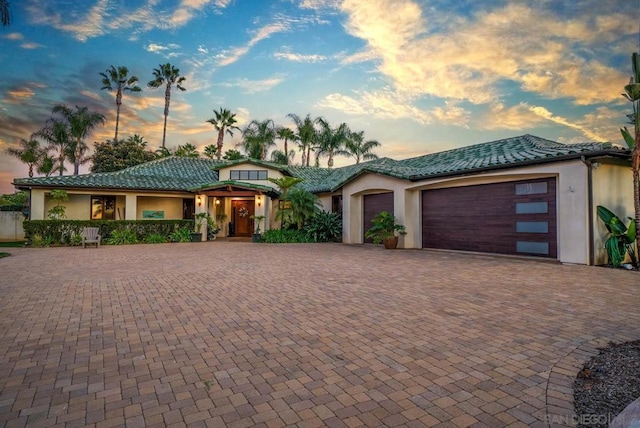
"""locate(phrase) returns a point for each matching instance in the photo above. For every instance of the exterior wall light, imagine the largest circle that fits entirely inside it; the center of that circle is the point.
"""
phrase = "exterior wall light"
(199, 200)
(259, 200)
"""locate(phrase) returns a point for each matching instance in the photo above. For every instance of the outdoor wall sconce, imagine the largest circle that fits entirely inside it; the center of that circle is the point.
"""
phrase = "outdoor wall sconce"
(199, 200)
(217, 201)
(259, 200)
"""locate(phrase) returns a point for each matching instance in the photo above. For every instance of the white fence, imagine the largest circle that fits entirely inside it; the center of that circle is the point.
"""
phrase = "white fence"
(11, 226)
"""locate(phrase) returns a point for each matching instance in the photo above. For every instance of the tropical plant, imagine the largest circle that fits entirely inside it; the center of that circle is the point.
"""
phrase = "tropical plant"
(181, 235)
(80, 124)
(306, 135)
(29, 153)
(56, 134)
(632, 94)
(231, 155)
(47, 164)
(621, 238)
(258, 137)
(167, 75)
(283, 236)
(210, 151)
(59, 211)
(155, 238)
(223, 121)
(258, 220)
(331, 141)
(186, 150)
(360, 149)
(286, 135)
(116, 155)
(81, 150)
(122, 237)
(200, 220)
(163, 152)
(324, 226)
(304, 205)
(384, 227)
(119, 79)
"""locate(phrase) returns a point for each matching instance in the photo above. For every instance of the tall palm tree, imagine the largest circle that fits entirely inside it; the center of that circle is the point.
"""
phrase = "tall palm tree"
(306, 135)
(223, 121)
(78, 156)
(28, 153)
(286, 135)
(119, 79)
(167, 75)
(331, 141)
(56, 134)
(360, 149)
(47, 164)
(5, 13)
(210, 151)
(187, 150)
(258, 137)
(632, 93)
(81, 123)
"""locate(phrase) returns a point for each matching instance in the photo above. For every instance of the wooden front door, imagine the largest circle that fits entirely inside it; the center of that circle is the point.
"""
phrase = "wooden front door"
(241, 212)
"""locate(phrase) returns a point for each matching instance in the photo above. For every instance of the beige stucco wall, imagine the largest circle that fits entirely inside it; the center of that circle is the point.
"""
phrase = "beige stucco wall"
(224, 174)
(612, 188)
(572, 203)
(11, 226)
(172, 206)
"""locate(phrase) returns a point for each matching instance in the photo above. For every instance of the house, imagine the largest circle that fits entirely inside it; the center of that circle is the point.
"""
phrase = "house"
(523, 195)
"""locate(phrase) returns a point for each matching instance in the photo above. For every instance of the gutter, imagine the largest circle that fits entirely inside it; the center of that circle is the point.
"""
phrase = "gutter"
(589, 165)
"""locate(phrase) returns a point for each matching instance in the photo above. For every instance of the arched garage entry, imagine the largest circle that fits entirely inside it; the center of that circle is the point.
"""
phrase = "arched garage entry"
(372, 205)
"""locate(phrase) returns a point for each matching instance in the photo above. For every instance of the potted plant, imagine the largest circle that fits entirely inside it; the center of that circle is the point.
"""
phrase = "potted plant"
(385, 230)
(212, 229)
(200, 220)
(256, 234)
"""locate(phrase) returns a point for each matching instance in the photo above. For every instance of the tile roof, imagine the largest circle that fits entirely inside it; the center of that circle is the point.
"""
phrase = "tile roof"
(189, 174)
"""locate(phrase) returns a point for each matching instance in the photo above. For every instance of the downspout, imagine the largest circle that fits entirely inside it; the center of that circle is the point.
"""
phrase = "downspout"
(592, 249)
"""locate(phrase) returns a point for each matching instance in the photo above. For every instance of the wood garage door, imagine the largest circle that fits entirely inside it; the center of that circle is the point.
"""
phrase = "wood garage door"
(508, 218)
(372, 205)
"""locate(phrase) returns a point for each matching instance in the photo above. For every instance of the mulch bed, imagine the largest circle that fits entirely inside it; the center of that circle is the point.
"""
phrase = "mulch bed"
(607, 383)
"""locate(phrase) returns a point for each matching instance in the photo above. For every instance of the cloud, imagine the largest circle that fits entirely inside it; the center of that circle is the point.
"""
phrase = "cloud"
(289, 56)
(13, 36)
(31, 45)
(89, 25)
(261, 34)
(253, 86)
(546, 114)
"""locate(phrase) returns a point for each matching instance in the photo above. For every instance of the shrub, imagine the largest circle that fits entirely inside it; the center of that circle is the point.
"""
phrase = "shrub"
(39, 241)
(181, 235)
(155, 238)
(324, 226)
(283, 236)
(122, 237)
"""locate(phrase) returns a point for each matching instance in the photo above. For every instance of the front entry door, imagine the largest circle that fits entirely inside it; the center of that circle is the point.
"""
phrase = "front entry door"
(241, 212)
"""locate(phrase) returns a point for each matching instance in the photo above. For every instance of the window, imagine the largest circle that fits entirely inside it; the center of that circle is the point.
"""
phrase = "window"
(336, 204)
(532, 227)
(251, 174)
(532, 208)
(531, 188)
(103, 208)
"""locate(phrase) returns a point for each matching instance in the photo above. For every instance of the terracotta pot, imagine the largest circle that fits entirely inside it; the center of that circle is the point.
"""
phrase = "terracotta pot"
(391, 243)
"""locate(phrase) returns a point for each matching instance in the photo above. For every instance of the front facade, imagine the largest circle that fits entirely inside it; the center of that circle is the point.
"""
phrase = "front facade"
(522, 196)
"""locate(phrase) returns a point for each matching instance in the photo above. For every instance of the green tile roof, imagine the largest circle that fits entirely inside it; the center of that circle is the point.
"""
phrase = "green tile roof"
(189, 174)
(165, 174)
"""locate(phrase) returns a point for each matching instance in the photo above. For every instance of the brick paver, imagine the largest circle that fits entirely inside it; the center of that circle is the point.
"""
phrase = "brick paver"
(241, 334)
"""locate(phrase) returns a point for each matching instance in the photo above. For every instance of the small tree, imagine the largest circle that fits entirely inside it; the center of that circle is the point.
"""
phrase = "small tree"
(59, 211)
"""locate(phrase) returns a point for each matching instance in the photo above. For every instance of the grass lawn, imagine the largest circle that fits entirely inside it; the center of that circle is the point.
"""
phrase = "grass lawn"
(4, 255)
(12, 244)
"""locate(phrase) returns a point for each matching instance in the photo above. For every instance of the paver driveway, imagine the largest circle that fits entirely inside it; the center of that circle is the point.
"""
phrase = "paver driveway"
(241, 334)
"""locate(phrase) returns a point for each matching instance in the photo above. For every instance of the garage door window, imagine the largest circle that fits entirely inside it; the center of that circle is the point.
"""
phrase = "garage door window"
(531, 188)
(532, 247)
(532, 226)
(532, 208)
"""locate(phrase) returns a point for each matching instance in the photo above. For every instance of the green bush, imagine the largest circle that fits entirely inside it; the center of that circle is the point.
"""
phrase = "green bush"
(63, 231)
(181, 235)
(324, 226)
(155, 238)
(122, 237)
(39, 241)
(283, 236)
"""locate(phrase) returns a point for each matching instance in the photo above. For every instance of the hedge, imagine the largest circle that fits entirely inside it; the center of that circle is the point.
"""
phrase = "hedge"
(63, 231)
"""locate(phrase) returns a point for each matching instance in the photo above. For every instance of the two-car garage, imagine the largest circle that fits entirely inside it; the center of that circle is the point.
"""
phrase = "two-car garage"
(517, 217)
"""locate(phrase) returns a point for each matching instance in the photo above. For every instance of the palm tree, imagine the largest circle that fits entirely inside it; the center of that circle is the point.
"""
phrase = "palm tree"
(167, 75)
(331, 141)
(80, 123)
(28, 153)
(5, 13)
(82, 153)
(163, 152)
(47, 164)
(286, 135)
(118, 78)
(306, 135)
(223, 121)
(187, 150)
(304, 205)
(258, 136)
(632, 93)
(210, 151)
(56, 134)
(359, 149)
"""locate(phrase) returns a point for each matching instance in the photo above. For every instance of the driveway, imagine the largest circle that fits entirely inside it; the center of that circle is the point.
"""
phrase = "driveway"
(240, 334)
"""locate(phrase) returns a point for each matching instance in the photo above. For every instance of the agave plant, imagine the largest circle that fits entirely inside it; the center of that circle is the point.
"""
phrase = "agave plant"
(622, 238)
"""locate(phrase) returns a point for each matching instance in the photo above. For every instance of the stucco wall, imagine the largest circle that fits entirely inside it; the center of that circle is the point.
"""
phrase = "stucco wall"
(172, 206)
(572, 203)
(11, 226)
(225, 173)
(612, 188)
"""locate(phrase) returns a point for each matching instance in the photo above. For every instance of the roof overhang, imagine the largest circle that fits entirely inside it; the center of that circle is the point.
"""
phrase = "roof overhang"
(232, 188)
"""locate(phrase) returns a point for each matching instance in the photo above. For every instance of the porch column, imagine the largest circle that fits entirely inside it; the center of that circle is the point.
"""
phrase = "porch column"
(131, 207)
(202, 202)
(37, 205)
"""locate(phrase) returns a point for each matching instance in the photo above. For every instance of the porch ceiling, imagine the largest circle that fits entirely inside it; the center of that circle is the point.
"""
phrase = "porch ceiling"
(235, 188)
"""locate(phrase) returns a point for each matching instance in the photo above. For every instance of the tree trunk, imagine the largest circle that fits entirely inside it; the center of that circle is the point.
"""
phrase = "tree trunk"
(220, 141)
(308, 154)
(76, 161)
(286, 152)
(167, 99)
(118, 103)
(61, 161)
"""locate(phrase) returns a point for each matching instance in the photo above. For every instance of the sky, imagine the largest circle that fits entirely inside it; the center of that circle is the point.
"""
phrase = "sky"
(419, 76)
